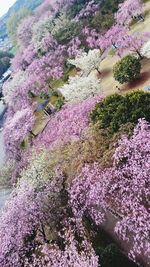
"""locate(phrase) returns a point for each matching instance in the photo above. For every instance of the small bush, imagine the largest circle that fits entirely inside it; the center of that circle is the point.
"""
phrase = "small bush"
(127, 69)
(59, 104)
(116, 110)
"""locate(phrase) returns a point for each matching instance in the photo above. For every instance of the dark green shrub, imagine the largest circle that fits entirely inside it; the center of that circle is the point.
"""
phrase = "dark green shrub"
(116, 110)
(127, 69)
(60, 102)
(4, 54)
(112, 257)
(109, 254)
(44, 95)
(102, 22)
(76, 7)
(104, 19)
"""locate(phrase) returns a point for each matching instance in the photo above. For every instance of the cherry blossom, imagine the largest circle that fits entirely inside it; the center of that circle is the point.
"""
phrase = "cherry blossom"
(15, 130)
(90, 9)
(80, 88)
(145, 50)
(128, 10)
(87, 61)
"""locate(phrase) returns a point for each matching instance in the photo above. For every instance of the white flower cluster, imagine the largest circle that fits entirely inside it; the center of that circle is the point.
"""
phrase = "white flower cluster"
(38, 172)
(80, 88)
(145, 50)
(87, 61)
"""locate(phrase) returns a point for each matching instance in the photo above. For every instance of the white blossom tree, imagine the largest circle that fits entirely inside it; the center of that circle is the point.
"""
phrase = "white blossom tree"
(80, 88)
(145, 50)
(87, 61)
(38, 171)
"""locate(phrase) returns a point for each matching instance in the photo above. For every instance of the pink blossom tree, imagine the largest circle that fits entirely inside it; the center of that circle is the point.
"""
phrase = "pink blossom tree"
(113, 36)
(118, 37)
(74, 47)
(89, 9)
(93, 39)
(15, 130)
(132, 44)
(36, 205)
(24, 31)
(128, 10)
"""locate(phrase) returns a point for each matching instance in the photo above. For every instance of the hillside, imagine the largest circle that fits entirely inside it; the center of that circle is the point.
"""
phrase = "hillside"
(30, 4)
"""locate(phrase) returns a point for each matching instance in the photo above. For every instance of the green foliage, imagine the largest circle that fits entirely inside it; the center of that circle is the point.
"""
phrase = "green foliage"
(116, 110)
(110, 6)
(4, 65)
(44, 95)
(24, 144)
(59, 104)
(4, 61)
(69, 70)
(109, 254)
(102, 22)
(14, 21)
(127, 69)
(5, 54)
(104, 19)
(76, 7)
(112, 257)
(6, 173)
(66, 32)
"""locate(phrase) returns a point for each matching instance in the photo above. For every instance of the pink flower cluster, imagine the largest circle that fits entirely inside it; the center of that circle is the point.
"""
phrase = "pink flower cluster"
(90, 9)
(16, 129)
(129, 10)
(67, 124)
(22, 229)
(18, 222)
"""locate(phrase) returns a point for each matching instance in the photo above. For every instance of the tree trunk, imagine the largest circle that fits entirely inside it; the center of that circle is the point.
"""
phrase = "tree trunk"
(139, 54)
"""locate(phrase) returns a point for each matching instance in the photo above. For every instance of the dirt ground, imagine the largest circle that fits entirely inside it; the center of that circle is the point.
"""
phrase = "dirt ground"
(109, 84)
